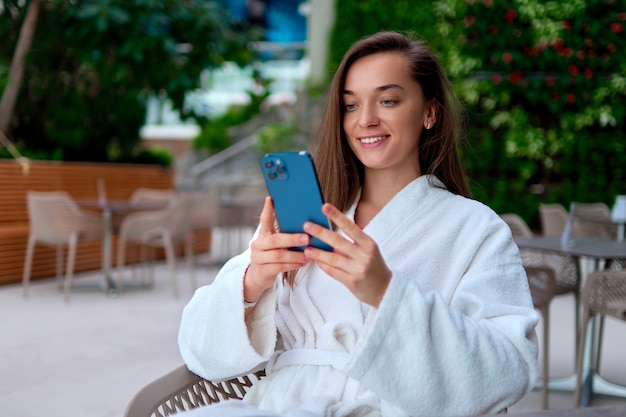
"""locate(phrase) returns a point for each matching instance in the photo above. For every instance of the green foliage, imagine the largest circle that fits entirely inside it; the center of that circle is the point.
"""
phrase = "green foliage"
(214, 136)
(93, 64)
(545, 92)
(276, 137)
(356, 19)
(544, 84)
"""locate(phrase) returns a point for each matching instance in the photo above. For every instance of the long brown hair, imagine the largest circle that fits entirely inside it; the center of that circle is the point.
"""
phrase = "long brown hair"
(341, 173)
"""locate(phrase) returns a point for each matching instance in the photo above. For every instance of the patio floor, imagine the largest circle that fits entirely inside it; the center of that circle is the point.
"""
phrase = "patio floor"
(89, 357)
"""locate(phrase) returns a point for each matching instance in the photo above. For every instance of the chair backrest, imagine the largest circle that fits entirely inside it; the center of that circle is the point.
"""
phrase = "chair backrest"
(180, 218)
(542, 283)
(53, 216)
(518, 226)
(605, 293)
(181, 390)
(594, 220)
(553, 219)
(152, 195)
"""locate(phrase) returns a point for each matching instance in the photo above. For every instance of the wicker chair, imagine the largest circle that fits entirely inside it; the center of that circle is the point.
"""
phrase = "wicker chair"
(182, 390)
(540, 269)
(604, 294)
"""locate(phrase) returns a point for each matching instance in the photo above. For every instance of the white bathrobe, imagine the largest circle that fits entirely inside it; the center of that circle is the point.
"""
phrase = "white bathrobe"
(453, 336)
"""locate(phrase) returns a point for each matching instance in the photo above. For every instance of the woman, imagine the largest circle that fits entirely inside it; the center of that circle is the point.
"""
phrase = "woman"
(423, 306)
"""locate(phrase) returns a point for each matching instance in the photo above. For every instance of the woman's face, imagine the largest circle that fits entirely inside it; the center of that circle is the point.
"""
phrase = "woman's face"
(385, 112)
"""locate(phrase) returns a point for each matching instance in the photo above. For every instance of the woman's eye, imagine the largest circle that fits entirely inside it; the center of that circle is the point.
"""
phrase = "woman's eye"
(350, 107)
(388, 103)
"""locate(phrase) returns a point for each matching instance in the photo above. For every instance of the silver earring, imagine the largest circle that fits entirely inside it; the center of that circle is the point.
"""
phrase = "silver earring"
(428, 126)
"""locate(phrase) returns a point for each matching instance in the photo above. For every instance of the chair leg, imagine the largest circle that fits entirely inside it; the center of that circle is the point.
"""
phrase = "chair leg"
(28, 263)
(59, 266)
(599, 346)
(170, 255)
(191, 262)
(71, 258)
(121, 253)
(580, 356)
(545, 366)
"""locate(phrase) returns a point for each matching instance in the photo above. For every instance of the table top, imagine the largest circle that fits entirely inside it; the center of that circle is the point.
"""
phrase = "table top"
(121, 206)
(576, 246)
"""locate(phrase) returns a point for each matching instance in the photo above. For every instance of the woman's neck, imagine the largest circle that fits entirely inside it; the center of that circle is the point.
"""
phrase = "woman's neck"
(376, 192)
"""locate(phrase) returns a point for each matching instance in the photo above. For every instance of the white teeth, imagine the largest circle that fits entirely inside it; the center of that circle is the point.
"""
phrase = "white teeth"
(372, 140)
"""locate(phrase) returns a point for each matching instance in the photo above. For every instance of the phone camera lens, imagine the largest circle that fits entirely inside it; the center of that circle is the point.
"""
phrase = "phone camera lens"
(280, 170)
(269, 164)
(271, 175)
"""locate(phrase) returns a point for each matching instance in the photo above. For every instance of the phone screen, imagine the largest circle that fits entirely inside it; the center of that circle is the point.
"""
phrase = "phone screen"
(292, 183)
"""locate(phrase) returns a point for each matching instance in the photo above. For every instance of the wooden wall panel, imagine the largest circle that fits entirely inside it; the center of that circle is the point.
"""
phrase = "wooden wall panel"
(80, 181)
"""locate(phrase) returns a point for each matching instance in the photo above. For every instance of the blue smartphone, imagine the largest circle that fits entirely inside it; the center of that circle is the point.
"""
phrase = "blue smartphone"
(293, 185)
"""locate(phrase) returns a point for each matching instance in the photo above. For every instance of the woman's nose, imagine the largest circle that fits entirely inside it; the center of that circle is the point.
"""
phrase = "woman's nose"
(368, 116)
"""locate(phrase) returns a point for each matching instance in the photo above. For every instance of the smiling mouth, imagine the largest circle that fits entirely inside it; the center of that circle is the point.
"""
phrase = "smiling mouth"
(373, 139)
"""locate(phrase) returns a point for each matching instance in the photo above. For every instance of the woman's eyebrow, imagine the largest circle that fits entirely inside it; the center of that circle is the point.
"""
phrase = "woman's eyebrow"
(378, 89)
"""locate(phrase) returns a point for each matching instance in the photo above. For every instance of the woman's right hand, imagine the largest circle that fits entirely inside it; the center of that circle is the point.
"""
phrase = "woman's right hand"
(270, 255)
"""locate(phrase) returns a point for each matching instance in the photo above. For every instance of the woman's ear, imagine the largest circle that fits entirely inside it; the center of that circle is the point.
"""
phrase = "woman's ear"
(431, 114)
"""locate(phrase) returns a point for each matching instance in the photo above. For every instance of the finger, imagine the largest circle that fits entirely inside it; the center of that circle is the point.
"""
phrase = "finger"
(267, 219)
(342, 222)
(281, 241)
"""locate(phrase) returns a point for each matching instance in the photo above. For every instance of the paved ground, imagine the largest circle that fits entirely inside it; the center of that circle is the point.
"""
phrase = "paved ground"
(88, 358)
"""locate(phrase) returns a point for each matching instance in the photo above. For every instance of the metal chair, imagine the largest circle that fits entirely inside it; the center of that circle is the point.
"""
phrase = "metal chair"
(182, 390)
(159, 228)
(56, 220)
(604, 294)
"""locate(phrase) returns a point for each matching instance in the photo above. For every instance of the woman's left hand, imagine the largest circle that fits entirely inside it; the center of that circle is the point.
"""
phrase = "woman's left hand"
(358, 264)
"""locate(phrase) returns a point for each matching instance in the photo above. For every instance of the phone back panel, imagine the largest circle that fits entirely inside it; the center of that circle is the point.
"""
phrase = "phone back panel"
(292, 183)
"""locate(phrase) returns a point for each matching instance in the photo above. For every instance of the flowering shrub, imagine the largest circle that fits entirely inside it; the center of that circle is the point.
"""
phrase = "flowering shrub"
(545, 83)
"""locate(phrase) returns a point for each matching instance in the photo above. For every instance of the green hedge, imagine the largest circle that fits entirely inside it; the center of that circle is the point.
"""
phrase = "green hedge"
(544, 85)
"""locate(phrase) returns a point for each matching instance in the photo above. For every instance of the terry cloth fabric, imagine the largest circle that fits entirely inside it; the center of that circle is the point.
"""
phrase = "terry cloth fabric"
(453, 336)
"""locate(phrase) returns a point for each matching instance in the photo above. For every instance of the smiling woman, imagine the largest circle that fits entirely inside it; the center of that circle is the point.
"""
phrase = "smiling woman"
(423, 288)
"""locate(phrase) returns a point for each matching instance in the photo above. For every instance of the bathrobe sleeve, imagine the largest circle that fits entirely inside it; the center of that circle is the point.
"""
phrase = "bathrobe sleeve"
(214, 339)
(472, 352)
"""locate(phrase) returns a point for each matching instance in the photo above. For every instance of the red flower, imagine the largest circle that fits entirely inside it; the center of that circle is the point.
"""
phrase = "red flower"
(550, 81)
(586, 27)
(493, 30)
(571, 98)
(555, 96)
(567, 25)
(528, 51)
(591, 53)
(496, 78)
(516, 77)
(573, 69)
(538, 50)
(622, 16)
(469, 20)
(612, 48)
(580, 54)
(558, 44)
(588, 73)
(510, 16)
(507, 58)
(616, 27)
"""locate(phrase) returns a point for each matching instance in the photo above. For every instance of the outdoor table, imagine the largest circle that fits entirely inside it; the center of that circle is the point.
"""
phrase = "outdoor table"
(597, 251)
(113, 209)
